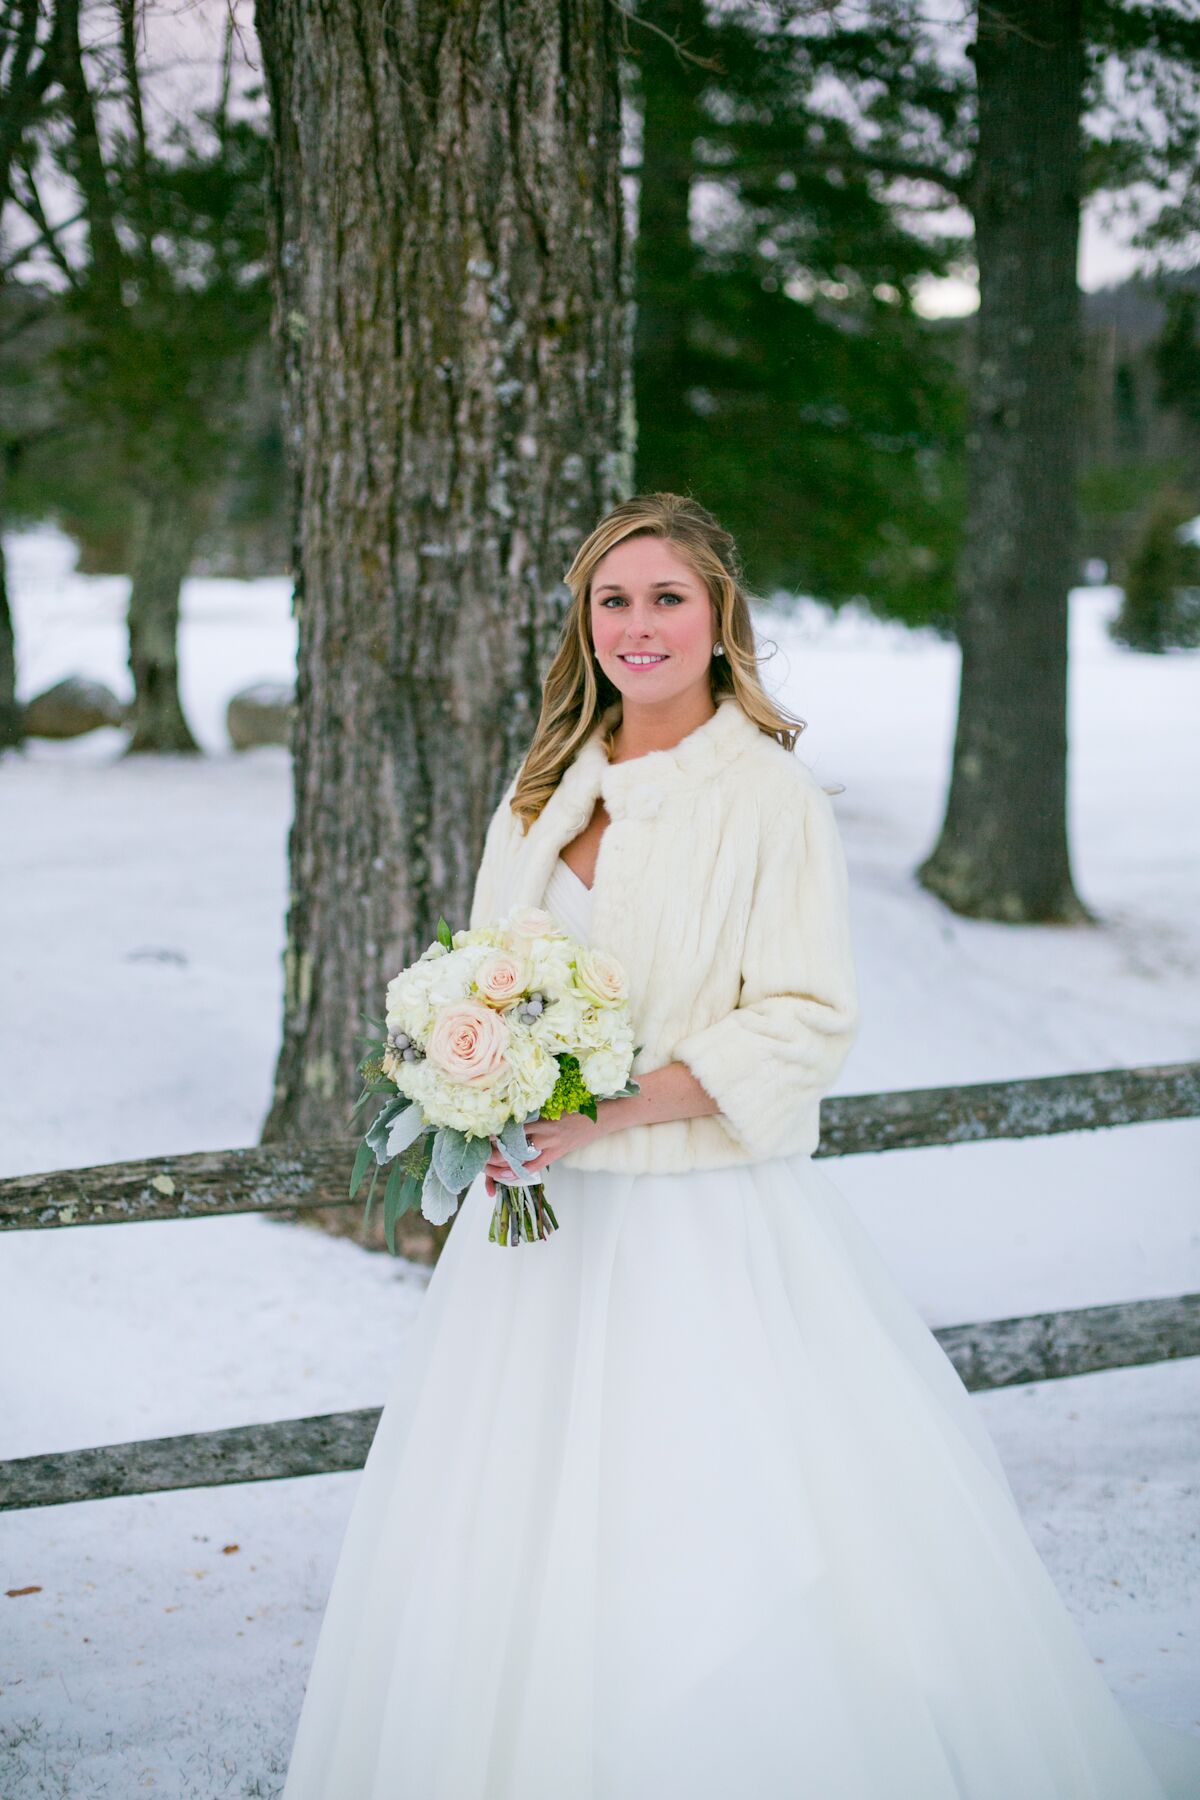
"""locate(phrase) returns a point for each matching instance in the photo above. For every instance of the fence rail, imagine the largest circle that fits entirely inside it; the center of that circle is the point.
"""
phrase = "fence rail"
(278, 1178)
(999, 1353)
(989, 1354)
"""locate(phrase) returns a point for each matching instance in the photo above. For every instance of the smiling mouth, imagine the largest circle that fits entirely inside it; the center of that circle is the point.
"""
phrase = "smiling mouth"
(636, 660)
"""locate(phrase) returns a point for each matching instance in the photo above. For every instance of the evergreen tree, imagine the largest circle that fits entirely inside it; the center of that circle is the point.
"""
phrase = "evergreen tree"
(33, 36)
(1160, 606)
(782, 371)
(165, 297)
(1042, 66)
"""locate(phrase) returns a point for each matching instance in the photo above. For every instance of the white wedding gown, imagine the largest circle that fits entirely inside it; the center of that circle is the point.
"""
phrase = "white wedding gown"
(687, 1503)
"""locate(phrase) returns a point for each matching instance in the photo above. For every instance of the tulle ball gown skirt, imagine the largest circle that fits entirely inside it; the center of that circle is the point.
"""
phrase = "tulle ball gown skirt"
(688, 1502)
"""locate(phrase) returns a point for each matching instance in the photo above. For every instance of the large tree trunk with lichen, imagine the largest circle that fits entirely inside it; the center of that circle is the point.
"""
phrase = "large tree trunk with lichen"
(166, 525)
(453, 312)
(1002, 853)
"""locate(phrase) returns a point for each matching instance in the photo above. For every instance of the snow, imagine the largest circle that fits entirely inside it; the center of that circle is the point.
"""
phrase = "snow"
(166, 1645)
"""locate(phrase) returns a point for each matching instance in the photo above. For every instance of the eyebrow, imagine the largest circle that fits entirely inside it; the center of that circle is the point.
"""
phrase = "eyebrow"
(614, 587)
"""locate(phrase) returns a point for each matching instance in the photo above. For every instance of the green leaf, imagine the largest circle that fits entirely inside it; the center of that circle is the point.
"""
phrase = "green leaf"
(404, 1130)
(445, 935)
(371, 1093)
(360, 1102)
(370, 1195)
(458, 1158)
(515, 1143)
(363, 1156)
(377, 1133)
(438, 1202)
(391, 1195)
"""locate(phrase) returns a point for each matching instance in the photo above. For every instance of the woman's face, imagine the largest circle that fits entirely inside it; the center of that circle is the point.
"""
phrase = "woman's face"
(647, 600)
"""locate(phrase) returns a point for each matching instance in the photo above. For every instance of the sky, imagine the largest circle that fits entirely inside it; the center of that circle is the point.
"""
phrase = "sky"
(1104, 260)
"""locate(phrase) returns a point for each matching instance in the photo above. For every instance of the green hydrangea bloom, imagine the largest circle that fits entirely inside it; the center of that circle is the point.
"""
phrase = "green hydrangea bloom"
(571, 1093)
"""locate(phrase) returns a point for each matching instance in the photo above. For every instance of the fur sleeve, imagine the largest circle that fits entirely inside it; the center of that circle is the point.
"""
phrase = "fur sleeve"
(495, 847)
(767, 1062)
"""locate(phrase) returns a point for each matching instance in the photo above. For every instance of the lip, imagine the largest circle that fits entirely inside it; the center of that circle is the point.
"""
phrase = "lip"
(660, 654)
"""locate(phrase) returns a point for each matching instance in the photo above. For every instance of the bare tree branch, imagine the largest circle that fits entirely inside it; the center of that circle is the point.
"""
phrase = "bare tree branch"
(30, 204)
(89, 168)
(682, 55)
(25, 82)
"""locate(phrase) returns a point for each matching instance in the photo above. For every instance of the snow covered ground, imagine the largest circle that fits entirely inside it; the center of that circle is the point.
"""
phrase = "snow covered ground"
(166, 1642)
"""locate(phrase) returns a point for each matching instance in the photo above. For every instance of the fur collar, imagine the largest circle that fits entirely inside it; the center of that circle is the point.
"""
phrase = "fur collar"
(631, 790)
(636, 789)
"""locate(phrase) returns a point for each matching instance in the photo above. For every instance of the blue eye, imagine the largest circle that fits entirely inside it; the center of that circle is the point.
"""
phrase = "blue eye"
(666, 595)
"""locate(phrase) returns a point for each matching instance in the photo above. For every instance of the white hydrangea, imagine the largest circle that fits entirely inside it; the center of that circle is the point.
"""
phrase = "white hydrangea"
(410, 1077)
(492, 937)
(416, 996)
(483, 1112)
(533, 1072)
(560, 1025)
(596, 1025)
(551, 966)
(607, 1069)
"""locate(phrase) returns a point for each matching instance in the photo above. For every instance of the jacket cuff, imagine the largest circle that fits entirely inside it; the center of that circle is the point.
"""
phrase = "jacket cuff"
(758, 1063)
(706, 1054)
(767, 1104)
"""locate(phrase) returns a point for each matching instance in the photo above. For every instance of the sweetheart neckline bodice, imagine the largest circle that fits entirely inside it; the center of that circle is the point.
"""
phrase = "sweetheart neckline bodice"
(579, 878)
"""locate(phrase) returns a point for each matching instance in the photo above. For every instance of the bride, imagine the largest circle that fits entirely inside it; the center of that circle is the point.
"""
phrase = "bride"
(686, 1502)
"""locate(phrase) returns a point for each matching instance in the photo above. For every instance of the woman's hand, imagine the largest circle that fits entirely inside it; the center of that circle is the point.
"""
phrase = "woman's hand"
(551, 1138)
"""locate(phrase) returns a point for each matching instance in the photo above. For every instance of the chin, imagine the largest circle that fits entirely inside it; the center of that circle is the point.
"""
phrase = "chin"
(653, 687)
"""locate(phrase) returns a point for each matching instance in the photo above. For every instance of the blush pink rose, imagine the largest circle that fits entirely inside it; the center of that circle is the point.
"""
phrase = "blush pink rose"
(532, 922)
(501, 978)
(467, 1044)
(600, 976)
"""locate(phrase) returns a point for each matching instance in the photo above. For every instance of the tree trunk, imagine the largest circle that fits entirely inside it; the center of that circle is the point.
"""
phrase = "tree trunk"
(452, 305)
(164, 540)
(12, 732)
(669, 90)
(1003, 851)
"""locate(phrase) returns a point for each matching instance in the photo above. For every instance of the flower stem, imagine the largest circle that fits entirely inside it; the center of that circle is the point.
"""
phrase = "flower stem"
(521, 1215)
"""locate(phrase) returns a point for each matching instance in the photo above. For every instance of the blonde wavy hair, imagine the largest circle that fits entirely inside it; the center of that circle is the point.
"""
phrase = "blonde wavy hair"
(576, 691)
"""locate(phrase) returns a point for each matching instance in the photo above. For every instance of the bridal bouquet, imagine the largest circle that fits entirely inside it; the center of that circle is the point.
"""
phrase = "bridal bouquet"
(487, 1031)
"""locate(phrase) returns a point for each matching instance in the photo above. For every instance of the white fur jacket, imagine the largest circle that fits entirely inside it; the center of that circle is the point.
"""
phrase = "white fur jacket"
(721, 887)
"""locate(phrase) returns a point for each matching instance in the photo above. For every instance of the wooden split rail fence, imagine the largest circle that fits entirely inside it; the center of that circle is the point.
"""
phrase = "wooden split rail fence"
(277, 1178)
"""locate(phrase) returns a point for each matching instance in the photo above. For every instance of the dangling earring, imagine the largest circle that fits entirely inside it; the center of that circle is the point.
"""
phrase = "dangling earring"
(718, 649)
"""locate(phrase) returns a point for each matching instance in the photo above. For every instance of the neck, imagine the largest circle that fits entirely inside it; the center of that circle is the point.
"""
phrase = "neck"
(644, 729)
